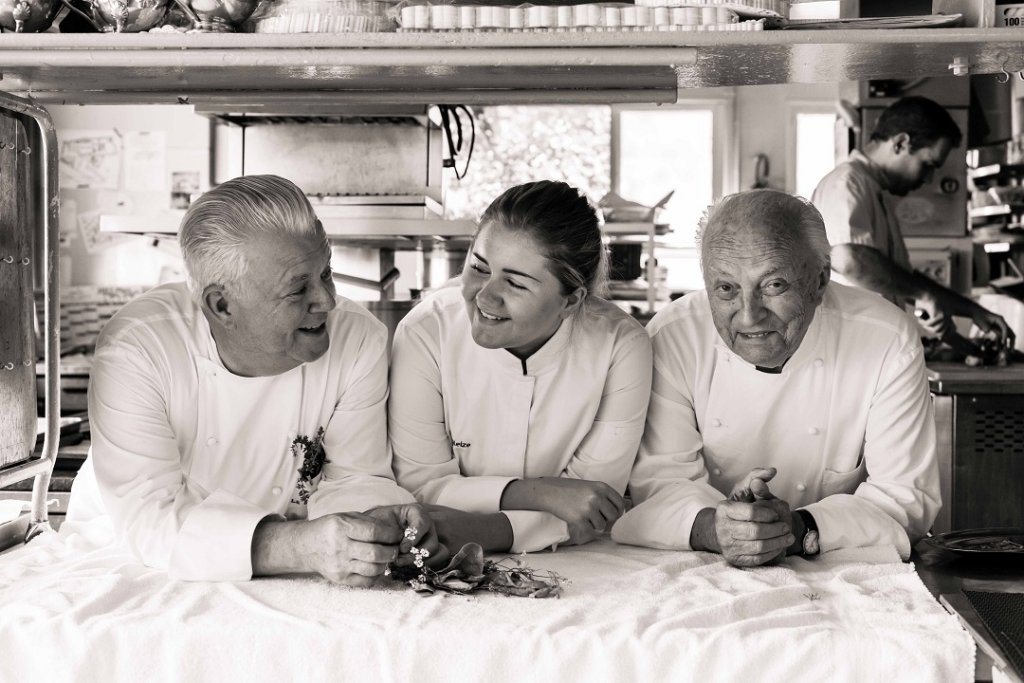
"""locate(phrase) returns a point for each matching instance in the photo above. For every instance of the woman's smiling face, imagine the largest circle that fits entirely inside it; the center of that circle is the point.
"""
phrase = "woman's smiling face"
(513, 299)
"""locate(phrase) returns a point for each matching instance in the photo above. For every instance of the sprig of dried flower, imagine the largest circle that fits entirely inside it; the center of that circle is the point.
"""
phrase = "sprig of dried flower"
(468, 572)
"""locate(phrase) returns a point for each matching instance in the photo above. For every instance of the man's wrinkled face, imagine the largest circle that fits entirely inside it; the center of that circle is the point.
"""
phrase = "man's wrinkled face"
(279, 320)
(912, 170)
(763, 292)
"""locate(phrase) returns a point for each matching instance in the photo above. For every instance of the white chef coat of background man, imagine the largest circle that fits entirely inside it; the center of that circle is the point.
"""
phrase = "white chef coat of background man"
(519, 397)
(789, 415)
(238, 423)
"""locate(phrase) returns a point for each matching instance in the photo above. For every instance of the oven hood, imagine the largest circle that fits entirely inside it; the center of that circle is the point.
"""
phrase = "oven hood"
(371, 175)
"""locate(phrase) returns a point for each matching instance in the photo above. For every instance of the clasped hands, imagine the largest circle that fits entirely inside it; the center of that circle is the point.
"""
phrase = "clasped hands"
(753, 527)
(354, 548)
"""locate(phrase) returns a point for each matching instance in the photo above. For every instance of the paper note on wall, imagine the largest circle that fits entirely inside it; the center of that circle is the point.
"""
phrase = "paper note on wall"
(93, 239)
(145, 161)
(90, 159)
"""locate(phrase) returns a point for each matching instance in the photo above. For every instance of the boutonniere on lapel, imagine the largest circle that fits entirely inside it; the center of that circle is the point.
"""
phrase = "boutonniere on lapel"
(309, 452)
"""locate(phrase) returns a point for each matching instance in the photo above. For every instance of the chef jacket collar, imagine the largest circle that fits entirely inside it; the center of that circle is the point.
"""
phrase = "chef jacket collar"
(547, 356)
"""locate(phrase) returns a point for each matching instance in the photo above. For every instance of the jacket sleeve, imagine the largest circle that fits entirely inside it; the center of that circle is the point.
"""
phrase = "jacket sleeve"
(357, 469)
(166, 522)
(669, 482)
(898, 502)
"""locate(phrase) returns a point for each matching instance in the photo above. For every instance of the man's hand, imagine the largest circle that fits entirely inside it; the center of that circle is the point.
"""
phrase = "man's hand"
(994, 325)
(932, 316)
(753, 534)
(415, 516)
(749, 529)
(588, 507)
(352, 548)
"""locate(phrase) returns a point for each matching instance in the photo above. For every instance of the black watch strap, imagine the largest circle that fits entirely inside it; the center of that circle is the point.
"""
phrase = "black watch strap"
(811, 543)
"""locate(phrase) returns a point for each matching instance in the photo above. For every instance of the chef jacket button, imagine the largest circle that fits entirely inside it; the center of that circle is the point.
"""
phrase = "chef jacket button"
(716, 422)
(276, 490)
(211, 441)
(818, 362)
(718, 471)
(812, 430)
(801, 487)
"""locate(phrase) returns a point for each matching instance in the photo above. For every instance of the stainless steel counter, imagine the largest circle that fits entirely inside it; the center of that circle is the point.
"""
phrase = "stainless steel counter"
(957, 378)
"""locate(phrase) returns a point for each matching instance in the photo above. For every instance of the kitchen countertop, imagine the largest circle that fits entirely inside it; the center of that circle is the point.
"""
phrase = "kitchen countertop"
(946, 574)
(958, 378)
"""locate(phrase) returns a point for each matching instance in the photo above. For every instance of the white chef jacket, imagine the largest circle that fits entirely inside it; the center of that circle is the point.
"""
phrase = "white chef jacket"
(855, 206)
(465, 421)
(848, 423)
(188, 457)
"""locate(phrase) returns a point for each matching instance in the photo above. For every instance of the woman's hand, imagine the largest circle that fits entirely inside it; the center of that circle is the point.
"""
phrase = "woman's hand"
(455, 528)
(588, 507)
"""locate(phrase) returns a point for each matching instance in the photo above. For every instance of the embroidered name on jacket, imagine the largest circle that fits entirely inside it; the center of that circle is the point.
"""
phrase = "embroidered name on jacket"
(461, 444)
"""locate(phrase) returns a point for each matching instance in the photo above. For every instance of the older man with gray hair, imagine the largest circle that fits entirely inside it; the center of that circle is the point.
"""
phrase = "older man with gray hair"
(789, 415)
(239, 421)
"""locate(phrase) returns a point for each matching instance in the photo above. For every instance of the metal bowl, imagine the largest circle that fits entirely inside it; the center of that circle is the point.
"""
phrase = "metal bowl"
(28, 16)
(128, 16)
(219, 15)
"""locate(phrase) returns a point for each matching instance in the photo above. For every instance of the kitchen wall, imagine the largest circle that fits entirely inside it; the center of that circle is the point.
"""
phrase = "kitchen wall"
(138, 180)
(180, 143)
(761, 112)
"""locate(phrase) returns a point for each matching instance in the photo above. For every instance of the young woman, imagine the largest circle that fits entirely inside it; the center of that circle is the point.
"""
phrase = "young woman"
(520, 395)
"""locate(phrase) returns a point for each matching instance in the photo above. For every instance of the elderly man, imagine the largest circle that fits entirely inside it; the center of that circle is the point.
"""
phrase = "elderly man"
(913, 137)
(789, 415)
(238, 423)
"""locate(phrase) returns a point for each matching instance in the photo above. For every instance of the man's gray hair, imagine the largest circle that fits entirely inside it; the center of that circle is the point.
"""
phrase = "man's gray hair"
(221, 222)
(792, 219)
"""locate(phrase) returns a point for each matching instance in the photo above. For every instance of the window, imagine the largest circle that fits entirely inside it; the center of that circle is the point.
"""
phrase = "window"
(684, 148)
(812, 145)
(521, 144)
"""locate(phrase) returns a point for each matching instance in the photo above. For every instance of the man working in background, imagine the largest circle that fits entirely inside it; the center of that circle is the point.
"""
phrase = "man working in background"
(912, 139)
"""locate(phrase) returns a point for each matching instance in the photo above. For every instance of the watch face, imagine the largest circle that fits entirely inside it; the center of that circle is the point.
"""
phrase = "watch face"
(811, 543)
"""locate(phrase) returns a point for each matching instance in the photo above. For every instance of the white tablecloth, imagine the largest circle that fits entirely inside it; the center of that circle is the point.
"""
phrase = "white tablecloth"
(72, 612)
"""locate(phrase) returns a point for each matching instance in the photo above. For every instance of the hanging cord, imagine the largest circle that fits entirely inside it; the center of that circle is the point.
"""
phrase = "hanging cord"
(449, 116)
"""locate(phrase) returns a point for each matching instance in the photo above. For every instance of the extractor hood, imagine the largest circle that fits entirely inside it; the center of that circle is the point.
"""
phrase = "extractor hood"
(371, 176)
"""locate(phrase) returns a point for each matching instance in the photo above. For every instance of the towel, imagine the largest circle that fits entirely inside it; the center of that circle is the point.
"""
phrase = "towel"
(75, 607)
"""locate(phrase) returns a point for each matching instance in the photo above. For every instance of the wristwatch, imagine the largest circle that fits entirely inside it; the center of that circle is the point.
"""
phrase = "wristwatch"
(810, 542)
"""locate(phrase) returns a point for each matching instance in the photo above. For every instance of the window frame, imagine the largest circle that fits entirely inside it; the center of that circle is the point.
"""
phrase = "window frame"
(724, 147)
(793, 109)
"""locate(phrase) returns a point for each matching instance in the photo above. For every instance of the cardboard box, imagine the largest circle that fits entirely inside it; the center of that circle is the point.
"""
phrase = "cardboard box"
(1009, 16)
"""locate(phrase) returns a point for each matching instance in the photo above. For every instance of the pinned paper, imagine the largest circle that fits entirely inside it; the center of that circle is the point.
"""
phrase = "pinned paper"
(90, 159)
(145, 161)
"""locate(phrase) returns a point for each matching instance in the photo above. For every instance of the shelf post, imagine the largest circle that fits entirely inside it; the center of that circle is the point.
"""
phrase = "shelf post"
(49, 231)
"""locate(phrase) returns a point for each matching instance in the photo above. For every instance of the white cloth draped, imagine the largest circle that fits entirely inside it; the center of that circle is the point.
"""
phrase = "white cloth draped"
(72, 610)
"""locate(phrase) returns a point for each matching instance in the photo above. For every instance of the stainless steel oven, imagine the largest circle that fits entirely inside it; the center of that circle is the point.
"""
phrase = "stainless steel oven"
(979, 416)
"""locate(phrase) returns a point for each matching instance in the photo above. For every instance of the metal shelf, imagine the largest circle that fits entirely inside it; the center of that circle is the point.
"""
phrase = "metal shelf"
(166, 225)
(292, 72)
